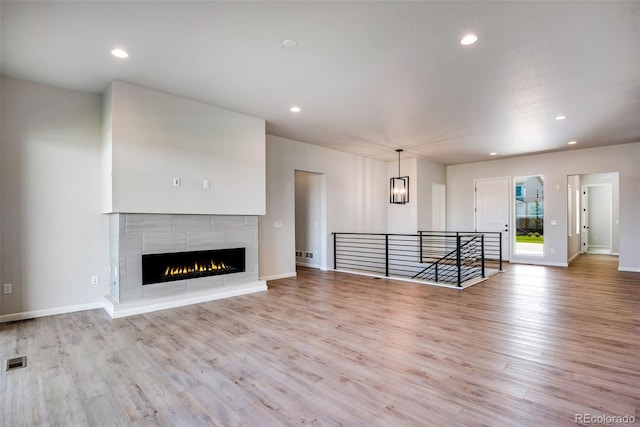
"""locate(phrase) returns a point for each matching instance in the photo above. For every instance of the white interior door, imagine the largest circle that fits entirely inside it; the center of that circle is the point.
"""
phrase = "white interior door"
(492, 209)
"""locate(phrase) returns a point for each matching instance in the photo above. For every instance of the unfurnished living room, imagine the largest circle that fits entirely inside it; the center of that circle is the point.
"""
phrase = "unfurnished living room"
(358, 213)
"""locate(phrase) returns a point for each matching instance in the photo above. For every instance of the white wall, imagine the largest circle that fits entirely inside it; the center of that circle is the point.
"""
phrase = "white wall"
(54, 237)
(107, 151)
(600, 204)
(1, 292)
(429, 173)
(356, 191)
(556, 167)
(157, 136)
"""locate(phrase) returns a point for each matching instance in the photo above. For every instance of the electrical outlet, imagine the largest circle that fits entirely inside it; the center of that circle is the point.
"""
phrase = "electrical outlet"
(8, 288)
(308, 255)
(94, 280)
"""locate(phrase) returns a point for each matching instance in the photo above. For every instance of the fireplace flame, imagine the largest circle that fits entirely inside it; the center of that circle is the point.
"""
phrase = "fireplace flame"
(195, 268)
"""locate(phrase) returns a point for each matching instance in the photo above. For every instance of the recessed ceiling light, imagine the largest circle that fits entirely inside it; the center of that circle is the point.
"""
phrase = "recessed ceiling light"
(572, 142)
(119, 53)
(561, 117)
(289, 44)
(469, 39)
(493, 154)
(295, 109)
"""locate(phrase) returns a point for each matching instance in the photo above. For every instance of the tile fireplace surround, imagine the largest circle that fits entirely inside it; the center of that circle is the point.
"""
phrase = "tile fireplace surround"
(132, 235)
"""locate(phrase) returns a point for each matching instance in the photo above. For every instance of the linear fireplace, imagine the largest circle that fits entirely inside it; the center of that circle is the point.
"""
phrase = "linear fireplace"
(167, 267)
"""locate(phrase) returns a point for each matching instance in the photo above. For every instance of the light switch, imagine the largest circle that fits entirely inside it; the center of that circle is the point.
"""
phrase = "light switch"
(176, 182)
(554, 222)
(277, 224)
(206, 184)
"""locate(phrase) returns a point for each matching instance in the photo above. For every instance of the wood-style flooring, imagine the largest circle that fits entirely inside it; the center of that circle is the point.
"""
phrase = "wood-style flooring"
(533, 346)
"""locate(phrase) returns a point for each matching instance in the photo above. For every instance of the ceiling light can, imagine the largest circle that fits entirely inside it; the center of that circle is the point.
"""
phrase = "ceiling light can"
(469, 39)
(119, 53)
(289, 44)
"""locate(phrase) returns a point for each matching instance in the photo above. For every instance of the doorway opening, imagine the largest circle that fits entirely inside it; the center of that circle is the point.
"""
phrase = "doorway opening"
(593, 202)
(310, 219)
(529, 215)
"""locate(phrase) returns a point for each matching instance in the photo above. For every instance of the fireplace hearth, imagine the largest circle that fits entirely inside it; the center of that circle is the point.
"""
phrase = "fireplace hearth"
(167, 267)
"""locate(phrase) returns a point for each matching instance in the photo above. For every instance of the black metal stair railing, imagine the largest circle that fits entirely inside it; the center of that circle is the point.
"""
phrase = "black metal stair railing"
(461, 264)
(493, 251)
(459, 258)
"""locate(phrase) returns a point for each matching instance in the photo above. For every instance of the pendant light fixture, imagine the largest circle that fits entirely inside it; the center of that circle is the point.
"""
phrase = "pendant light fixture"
(399, 186)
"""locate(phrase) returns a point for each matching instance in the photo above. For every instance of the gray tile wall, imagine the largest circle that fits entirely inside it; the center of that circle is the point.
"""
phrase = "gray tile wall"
(132, 235)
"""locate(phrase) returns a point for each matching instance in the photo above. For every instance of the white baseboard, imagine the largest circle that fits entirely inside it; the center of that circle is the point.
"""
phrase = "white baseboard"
(305, 264)
(535, 262)
(631, 269)
(49, 312)
(574, 257)
(117, 310)
(278, 276)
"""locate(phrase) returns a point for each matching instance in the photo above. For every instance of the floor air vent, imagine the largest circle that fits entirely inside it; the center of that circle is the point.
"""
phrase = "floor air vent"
(16, 363)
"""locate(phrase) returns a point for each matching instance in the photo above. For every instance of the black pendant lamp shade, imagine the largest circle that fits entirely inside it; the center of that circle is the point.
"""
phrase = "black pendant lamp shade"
(399, 186)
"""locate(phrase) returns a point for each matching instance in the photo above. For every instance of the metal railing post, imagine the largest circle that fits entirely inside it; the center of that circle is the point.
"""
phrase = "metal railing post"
(420, 232)
(436, 272)
(458, 259)
(335, 252)
(386, 255)
(500, 246)
(482, 249)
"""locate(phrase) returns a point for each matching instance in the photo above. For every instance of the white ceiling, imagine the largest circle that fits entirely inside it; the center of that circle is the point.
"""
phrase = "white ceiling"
(369, 76)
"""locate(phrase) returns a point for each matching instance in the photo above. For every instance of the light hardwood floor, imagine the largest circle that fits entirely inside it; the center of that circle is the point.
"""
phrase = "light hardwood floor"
(529, 347)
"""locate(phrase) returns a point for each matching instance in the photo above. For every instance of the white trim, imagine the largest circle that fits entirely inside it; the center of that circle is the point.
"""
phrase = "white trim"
(631, 269)
(574, 257)
(536, 262)
(117, 310)
(304, 264)
(49, 312)
(278, 276)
